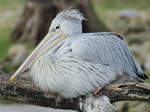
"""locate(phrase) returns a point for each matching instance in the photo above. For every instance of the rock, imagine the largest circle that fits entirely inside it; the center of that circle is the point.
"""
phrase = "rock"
(138, 38)
(134, 20)
(17, 54)
(28, 108)
(122, 106)
(137, 53)
(130, 13)
(129, 21)
(145, 54)
(139, 44)
(147, 63)
(1, 72)
(133, 106)
(142, 54)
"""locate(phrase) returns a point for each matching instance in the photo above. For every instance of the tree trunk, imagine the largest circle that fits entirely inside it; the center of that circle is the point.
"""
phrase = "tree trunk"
(38, 14)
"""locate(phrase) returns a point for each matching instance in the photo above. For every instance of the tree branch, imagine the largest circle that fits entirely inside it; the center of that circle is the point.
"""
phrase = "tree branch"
(130, 91)
(21, 90)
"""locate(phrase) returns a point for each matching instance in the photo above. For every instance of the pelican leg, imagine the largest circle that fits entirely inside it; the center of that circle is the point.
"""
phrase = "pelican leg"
(97, 90)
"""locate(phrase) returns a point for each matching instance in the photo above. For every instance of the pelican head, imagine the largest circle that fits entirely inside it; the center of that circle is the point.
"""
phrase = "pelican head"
(65, 24)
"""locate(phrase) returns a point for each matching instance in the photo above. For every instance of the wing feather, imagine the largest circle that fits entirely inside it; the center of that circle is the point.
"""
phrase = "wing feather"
(107, 49)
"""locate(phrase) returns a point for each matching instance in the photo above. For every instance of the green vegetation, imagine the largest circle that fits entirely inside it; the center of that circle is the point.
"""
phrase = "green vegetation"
(4, 43)
(9, 11)
(10, 4)
(7, 102)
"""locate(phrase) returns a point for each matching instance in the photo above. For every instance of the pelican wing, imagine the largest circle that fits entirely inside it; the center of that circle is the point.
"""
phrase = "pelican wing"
(80, 64)
(107, 49)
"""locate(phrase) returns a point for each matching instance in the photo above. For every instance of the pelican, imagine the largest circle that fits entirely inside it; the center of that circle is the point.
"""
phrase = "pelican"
(72, 63)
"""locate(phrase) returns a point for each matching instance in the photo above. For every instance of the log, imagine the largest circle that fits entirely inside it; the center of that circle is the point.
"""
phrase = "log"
(22, 90)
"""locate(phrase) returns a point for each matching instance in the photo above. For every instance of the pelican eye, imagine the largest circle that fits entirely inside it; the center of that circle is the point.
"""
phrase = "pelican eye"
(57, 27)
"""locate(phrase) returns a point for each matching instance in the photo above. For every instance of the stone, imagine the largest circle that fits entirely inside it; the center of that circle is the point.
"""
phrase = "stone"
(134, 20)
(127, 21)
(147, 63)
(17, 54)
(28, 108)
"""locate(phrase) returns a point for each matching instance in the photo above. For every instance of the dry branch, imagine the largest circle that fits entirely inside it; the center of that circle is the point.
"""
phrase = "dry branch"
(21, 90)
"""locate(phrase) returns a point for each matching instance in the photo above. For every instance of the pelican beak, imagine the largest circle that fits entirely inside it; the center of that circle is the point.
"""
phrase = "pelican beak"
(50, 40)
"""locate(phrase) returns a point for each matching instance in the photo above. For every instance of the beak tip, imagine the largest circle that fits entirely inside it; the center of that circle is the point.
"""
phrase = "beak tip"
(11, 78)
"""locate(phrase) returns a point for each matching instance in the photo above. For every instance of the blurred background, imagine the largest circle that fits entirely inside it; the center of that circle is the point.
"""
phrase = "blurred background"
(23, 23)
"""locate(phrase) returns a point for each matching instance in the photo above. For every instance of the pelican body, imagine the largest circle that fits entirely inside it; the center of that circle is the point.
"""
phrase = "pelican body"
(72, 63)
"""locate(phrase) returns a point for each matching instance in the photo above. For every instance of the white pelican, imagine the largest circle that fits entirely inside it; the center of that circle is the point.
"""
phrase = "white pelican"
(72, 63)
